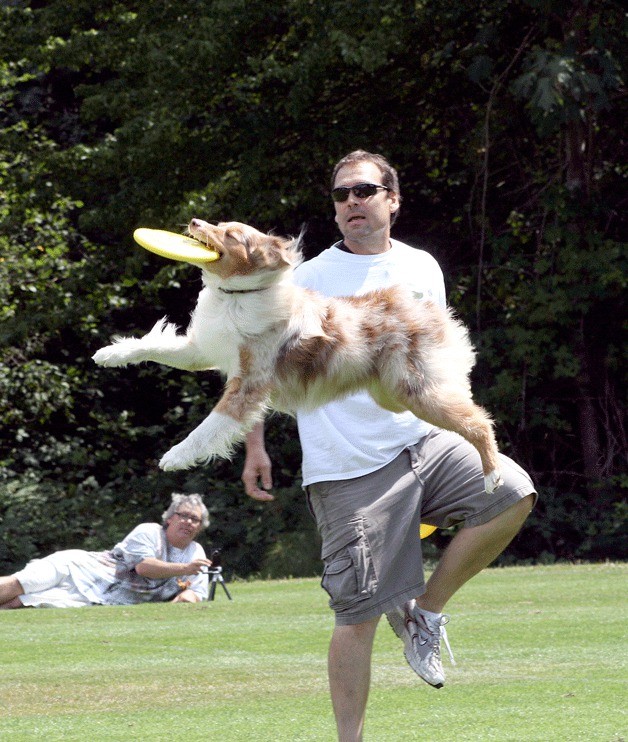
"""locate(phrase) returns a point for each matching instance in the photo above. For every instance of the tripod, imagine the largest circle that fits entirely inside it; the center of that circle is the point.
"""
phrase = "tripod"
(216, 577)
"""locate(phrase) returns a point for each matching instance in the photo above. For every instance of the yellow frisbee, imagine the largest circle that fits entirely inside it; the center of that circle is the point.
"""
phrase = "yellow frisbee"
(426, 530)
(174, 246)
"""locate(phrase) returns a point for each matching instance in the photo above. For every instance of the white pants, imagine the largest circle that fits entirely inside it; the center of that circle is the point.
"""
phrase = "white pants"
(48, 583)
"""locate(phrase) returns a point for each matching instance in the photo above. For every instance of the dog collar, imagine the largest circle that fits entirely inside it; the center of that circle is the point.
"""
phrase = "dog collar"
(241, 291)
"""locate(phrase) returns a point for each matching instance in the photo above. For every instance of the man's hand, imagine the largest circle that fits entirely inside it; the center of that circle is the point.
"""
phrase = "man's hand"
(196, 566)
(257, 466)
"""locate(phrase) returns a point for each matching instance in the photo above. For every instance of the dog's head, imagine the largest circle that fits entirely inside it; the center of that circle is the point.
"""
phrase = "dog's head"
(247, 257)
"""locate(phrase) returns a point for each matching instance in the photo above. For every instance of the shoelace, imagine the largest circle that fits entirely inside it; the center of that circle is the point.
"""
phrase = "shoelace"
(443, 634)
(437, 631)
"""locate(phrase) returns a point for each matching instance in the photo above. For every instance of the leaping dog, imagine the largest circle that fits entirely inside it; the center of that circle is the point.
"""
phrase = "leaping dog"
(284, 347)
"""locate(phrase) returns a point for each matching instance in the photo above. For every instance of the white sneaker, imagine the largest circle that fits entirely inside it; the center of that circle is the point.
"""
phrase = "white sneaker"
(421, 635)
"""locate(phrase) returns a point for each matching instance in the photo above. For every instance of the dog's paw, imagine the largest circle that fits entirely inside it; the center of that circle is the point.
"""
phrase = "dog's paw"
(122, 352)
(492, 481)
(181, 456)
(110, 357)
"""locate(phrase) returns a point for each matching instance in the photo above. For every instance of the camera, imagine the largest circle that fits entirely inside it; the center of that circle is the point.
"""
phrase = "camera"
(216, 574)
(215, 559)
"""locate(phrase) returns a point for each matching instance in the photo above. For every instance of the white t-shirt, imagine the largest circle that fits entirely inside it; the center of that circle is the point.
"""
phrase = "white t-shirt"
(354, 436)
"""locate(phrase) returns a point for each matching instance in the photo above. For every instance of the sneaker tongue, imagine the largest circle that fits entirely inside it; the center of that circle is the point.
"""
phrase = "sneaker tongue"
(433, 621)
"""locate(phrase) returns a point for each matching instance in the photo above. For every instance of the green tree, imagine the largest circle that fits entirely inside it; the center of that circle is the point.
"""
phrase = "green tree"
(505, 121)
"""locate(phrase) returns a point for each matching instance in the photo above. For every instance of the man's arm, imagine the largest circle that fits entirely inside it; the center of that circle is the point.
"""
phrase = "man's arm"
(156, 569)
(257, 466)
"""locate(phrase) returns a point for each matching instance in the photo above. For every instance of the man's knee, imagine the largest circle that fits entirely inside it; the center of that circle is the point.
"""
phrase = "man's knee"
(512, 519)
(523, 508)
(508, 521)
(355, 634)
(363, 628)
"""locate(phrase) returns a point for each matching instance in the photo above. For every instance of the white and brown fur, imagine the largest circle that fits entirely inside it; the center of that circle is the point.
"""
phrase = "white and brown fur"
(286, 348)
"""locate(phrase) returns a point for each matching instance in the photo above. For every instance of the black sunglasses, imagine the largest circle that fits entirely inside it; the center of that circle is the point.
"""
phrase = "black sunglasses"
(361, 190)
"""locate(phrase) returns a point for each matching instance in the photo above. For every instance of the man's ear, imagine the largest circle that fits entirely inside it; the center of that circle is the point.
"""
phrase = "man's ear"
(394, 202)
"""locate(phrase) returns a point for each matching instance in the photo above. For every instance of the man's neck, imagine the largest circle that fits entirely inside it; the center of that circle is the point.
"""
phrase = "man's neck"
(367, 248)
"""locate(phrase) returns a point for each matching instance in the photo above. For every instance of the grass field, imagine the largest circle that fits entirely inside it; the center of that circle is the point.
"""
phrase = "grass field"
(540, 656)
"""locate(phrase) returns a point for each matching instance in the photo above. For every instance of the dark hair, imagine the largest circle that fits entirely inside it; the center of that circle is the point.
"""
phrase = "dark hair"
(389, 175)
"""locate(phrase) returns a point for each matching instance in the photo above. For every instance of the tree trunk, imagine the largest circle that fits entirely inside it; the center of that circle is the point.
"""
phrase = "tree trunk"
(588, 418)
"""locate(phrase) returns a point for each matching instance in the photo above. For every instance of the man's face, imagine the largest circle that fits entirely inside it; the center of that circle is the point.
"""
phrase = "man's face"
(363, 219)
(184, 526)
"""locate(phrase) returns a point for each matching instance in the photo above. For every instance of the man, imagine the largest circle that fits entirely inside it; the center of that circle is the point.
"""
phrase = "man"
(152, 563)
(372, 476)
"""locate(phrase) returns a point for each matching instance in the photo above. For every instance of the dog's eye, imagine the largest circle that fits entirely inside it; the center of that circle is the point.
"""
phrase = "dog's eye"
(231, 234)
(241, 238)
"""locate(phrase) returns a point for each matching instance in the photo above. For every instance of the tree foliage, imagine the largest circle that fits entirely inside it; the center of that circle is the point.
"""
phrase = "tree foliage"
(505, 122)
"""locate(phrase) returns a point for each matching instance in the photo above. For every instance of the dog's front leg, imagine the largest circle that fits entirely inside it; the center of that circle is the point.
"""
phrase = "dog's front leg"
(216, 437)
(161, 345)
(241, 406)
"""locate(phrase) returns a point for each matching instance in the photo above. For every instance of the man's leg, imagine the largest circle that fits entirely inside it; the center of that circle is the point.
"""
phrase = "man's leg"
(10, 588)
(349, 668)
(470, 551)
(37, 576)
(420, 623)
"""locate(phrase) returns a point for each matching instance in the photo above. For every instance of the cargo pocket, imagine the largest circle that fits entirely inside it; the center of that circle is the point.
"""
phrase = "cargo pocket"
(349, 574)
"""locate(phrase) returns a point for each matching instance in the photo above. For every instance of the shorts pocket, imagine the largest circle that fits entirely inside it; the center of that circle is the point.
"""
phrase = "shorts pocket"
(349, 573)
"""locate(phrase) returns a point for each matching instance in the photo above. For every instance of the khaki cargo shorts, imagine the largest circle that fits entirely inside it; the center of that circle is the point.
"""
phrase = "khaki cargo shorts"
(370, 525)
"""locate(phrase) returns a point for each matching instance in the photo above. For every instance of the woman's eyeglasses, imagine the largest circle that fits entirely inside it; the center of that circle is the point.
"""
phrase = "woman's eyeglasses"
(193, 519)
(361, 190)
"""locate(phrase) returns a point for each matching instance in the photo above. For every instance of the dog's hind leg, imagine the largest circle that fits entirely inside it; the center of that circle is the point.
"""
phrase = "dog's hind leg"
(240, 407)
(458, 413)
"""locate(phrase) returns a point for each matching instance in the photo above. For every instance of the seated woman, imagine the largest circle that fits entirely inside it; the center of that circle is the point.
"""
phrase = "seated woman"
(153, 563)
